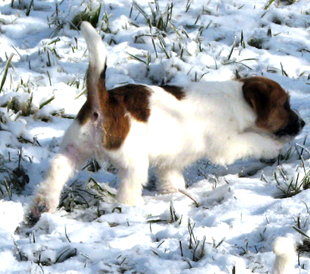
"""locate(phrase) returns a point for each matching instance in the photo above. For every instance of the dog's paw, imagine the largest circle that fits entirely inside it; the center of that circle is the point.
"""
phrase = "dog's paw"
(40, 204)
(272, 151)
(35, 213)
(268, 162)
(170, 181)
(171, 188)
(131, 200)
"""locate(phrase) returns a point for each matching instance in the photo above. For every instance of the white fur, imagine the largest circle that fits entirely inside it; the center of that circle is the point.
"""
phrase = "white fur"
(212, 121)
(96, 49)
(284, 249)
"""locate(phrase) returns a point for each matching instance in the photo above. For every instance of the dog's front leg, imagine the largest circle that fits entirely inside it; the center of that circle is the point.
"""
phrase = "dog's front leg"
(133, 177)
(246, 145)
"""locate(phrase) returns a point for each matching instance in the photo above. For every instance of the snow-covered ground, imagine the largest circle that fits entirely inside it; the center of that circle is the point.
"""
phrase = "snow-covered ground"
(229, 217)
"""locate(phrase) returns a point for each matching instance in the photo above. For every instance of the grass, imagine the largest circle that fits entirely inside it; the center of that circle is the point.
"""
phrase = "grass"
(44, 256)
(105, 23)
(197, 246)
(161, 25)
(173, 218)
(270, 2)
(90, 15)
(86, 195)
(47, 101)
(156, 18)
(15, 179)
(5, 72)
(256, 42)
(291, 185)
(191, 251)
(190, 197)
(145, 59)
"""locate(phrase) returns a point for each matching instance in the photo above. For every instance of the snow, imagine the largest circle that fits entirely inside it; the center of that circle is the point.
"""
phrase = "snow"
(229, 216)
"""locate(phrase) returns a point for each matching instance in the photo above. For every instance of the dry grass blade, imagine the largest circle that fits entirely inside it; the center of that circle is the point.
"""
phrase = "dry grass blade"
(187, 195)
(66, 254)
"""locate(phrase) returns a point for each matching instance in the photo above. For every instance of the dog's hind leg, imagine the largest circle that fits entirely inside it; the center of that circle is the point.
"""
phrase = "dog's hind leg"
(71, 157)
(170, 180)
(85, 136)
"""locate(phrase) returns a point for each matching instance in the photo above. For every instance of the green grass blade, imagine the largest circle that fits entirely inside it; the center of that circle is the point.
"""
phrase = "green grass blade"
(8, 63)
(301, 232)
(47, 102)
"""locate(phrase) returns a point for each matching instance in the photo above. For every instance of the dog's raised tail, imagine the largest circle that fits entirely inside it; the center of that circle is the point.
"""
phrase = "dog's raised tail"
(285, 252)
(96, 88)
(96, 49)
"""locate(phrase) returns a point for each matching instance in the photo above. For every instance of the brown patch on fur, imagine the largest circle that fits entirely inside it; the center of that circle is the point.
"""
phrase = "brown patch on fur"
(115, 124)
(115, 105)
(269, 101)
(135, 99)
(176, 91)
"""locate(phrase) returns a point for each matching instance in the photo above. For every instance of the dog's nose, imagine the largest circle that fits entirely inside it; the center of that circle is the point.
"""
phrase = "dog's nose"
(302, 123)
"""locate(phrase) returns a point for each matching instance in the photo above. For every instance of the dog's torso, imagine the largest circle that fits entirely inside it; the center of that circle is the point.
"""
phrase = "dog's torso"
(194, 126)
(178, 131)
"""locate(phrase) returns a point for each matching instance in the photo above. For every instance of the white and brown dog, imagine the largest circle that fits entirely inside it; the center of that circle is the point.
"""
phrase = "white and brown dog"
(168, 127)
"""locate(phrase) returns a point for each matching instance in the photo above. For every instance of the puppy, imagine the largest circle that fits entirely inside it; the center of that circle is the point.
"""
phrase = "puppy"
(168, 127)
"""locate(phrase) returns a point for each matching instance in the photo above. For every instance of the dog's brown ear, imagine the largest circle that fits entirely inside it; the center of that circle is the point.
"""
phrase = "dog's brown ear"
(257, 93)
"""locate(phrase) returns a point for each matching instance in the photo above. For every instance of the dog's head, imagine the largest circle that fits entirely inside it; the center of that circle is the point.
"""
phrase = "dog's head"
(272, 107)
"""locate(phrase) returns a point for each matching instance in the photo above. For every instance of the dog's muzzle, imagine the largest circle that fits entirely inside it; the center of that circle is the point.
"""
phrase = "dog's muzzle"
(293, 127)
